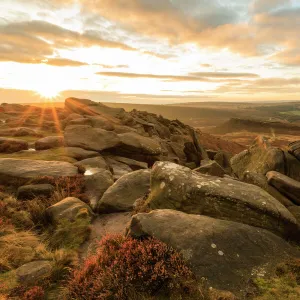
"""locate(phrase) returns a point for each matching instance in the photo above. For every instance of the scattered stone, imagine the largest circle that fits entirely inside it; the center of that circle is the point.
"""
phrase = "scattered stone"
(285, 185)
(68, 209)
(12, 169)
(211, 167)
(8, 145)
(28, 192)
(237, 251)
(49, 142)
(90, 138)
(179, 188)
(125, 191)
(33, 272)
(96, 185)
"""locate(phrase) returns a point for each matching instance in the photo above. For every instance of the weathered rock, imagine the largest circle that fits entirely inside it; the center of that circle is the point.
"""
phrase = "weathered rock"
(285, 185)
(8, 145)
(133, 164)
(11, 169)
(35, 190)
(68, 209)
(262, 181)
(227, 253)
(259, 158)
(211, 167)
(32, 272)
(49, 142)
(294, 149)
(223, 159)
(292, 166)
(118, 168)
(90, 138)
(177, 187)
(122, 195)
(211, 154)
(20, 131)
(93, 163)
(96, 185)
(79, 153)
(135, 143)
(295, 211)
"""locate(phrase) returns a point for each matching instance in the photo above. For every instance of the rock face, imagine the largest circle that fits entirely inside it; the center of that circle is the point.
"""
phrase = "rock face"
(90, 138)
(32, 272)
(11, 169)
(96, 185)
(179, 188)
(259, 158)
(35, 190)
(49, 142)
(122, 195)
(228, 254)
(8, 145)
(285, 185)
(68, 209)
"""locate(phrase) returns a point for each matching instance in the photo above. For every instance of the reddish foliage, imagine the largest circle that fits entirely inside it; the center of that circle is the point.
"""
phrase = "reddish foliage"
(123, 265)
(35, 293)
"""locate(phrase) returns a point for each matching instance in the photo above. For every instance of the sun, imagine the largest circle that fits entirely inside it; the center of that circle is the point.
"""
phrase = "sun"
(48, 92)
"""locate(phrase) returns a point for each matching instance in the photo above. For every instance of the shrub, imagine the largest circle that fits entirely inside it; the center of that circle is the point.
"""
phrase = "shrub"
(124, 268)
(69, 234)
(35, 293)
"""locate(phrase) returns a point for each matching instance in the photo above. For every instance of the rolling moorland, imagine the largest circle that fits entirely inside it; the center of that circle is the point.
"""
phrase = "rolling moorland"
(121, 201)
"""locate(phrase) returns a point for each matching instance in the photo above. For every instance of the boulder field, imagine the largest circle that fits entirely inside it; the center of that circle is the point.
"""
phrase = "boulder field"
(232, 217)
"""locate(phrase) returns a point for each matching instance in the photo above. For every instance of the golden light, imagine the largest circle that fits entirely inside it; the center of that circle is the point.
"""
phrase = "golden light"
(48, 92)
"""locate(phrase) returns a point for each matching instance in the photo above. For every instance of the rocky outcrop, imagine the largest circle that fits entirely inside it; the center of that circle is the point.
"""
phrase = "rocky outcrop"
(259, 158)
(68, 209)
(285, 185)
(8, 145)
(294, 149)
(133, 164)
(93, 163)
(31, 191)
(227, 254)
(90, 138)
(125, 191)
(179, 188)
(118, 168)
(49, 142)
(79, 153)
(12, 169)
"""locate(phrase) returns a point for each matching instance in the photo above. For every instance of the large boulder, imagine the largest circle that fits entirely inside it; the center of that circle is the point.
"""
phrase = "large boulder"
(12, 169)
(118, 168)
(259, 158)
(35, 190)
(227, 254)
(179, 188)
(211, 167)
(133, 164)
(92, 163)
(96, 185)
(68, 209)
(90, 138)
(125, 191)
(49, 142)
(285, 185)
(8, 145)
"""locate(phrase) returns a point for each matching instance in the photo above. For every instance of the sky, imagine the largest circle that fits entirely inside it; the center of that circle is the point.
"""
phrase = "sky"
(149, 51)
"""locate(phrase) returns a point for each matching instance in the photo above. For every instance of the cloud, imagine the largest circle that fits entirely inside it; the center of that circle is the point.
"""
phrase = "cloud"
(199, 76)
(259, 6)
(63, 62)
(34, 41)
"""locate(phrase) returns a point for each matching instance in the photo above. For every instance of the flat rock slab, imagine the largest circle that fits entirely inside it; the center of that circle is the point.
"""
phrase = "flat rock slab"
(179, 188)
(28, 169)
(89, 138)
(79, 153)
(49, 142)
(27, 192)
(227, 253)
(285, 185)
